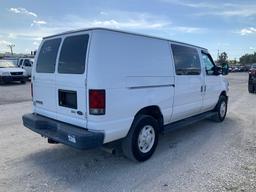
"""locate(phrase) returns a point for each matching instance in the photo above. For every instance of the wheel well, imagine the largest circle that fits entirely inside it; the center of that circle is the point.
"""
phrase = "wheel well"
(223, 93)
(153, 111)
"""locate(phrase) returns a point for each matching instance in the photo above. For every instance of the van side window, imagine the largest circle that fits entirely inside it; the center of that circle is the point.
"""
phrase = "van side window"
(208, 63)
(73, 55)
(186, 60)
(47, 56)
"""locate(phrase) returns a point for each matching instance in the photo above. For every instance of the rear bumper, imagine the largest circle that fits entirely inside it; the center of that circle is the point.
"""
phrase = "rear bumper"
(13, 78)
(67, 134)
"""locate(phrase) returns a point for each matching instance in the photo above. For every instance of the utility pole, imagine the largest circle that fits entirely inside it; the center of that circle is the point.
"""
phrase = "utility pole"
(11, 46)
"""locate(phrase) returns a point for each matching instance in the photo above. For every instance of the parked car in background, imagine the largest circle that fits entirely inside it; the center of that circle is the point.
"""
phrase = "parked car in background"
(10, 72)
(252, 79)
(26, 64)
(235, 69)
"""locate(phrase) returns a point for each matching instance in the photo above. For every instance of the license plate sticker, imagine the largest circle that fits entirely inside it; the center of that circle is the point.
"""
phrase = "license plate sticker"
(72, 138)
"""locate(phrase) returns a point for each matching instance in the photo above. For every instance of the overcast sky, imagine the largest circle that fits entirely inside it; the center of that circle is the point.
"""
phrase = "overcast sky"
(217, 25)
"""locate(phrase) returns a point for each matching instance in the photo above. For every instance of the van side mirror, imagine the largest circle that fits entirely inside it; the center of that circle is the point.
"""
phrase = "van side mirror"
(217, 70)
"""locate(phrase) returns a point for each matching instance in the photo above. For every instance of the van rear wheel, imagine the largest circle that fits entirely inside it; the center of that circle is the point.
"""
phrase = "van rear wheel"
(142, 139)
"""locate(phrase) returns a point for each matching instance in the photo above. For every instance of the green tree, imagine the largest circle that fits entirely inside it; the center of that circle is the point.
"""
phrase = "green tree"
(248, 58)
(223, 58)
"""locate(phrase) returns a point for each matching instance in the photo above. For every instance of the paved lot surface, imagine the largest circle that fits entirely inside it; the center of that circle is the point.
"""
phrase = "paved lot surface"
(14, 92)
(207, 156)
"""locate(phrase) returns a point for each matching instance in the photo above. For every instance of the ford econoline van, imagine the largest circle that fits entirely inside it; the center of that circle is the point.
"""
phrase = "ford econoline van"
(95, 86)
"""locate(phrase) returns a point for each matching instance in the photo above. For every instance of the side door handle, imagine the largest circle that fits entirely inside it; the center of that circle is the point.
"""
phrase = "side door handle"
(205, 88)
(202, 88)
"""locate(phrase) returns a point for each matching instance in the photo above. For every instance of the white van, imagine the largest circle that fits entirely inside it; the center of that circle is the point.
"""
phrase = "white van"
(95, 86)
(26, 64)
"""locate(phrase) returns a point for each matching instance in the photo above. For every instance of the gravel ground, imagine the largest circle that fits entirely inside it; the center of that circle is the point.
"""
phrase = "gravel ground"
(206, 156)
(14, 92)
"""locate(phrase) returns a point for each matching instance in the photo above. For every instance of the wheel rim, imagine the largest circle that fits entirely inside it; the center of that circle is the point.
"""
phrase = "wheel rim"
(223, 108)
(146, 139)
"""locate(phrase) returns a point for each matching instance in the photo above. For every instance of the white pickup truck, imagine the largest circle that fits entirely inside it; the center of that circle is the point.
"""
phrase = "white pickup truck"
(26, 64)
(95, 86)
(9, 72)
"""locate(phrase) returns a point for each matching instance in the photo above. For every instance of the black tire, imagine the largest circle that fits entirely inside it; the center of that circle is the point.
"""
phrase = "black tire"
(23, 82)
(220, 115)
(130, 144)
(251, 87)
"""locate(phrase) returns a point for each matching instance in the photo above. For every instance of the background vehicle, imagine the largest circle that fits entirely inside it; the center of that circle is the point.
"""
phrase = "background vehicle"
(106, 85)
(9, 72)
(26, 64)
(252, 79)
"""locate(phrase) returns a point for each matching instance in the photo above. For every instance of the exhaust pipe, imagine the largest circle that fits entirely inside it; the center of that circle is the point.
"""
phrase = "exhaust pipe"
(51, 141)
(109, 150)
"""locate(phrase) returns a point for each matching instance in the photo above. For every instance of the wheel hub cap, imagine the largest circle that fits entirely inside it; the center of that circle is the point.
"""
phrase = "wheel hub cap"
(146, 138)
(223, 109)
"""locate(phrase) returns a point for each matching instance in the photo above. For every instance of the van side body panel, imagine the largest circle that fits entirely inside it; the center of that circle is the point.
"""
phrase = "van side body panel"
(136, 72)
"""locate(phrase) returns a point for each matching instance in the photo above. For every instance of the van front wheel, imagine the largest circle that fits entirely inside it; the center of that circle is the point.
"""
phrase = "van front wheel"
(221, 109)
(142, 139)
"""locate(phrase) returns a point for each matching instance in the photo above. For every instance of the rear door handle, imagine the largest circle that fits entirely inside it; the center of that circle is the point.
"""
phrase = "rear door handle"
(205, 88)
(202, 88)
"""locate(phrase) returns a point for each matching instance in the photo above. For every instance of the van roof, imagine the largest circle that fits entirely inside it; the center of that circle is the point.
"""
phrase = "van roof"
(120, 31)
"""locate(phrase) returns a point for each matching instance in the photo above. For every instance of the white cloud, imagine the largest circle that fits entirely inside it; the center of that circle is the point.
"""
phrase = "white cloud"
(11, 36)
(129, 24)
(103, 13)
(131, 21)
(189, 29)
(21, 10)
(238, 10)
(40, 22)
(247, 31)
(117, 20)
(4, 42)
(223, 9)
(35, 43)
(192, 4)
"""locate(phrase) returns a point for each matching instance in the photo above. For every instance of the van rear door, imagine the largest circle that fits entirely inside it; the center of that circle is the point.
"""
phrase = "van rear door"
(71, 90)
(44, 93)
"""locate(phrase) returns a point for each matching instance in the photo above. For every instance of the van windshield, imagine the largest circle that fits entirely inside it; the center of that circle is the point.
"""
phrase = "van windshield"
(47, 56)
(73, 54)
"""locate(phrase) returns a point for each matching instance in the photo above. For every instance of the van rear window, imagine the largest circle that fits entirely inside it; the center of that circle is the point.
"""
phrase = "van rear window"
(47, 56)
(73, 55)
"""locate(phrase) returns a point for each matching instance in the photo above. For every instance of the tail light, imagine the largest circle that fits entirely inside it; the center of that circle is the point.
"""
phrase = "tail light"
(97, 102)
